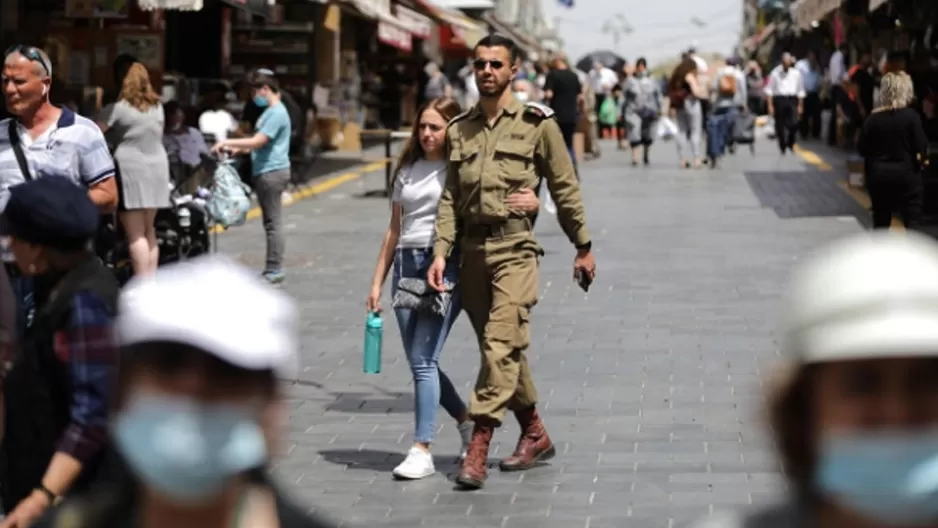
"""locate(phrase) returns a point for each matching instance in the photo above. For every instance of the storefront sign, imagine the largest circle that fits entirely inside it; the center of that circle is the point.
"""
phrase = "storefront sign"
(394, 35)
(419, 25)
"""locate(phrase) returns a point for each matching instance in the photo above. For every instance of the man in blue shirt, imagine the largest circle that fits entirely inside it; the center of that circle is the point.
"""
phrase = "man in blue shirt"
(270, 159)
(810, 123)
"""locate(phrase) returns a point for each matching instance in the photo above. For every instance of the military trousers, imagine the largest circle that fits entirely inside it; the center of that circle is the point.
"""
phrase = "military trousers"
(498, 281)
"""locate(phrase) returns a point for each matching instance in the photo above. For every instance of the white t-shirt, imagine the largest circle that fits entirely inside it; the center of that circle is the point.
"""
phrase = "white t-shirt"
(219, 123)
(418, 189)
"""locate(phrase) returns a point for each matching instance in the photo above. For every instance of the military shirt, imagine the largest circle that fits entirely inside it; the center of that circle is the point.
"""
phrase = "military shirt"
(488, 162)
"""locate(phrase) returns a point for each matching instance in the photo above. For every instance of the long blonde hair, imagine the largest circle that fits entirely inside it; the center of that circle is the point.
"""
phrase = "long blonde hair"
(137, 90)
(412, 152)
(896, 91)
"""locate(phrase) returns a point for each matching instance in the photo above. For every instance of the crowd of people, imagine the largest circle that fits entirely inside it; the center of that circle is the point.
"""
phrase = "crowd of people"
(181, 434)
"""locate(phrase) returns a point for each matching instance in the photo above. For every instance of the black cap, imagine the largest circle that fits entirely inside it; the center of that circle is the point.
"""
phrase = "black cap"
(51, 211)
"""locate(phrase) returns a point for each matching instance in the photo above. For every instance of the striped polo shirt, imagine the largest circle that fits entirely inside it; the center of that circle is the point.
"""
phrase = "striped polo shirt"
(73, 147)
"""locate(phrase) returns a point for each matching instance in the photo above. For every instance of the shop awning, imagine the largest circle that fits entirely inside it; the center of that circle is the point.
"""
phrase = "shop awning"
(418, 25)
(527, 43)
(458, 30)
(804, 12)
(394, 33)
(465, 4)
(752, 42)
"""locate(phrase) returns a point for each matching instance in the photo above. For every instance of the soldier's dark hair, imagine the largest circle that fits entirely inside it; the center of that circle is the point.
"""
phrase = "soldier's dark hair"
(499, 41)
(641, 62)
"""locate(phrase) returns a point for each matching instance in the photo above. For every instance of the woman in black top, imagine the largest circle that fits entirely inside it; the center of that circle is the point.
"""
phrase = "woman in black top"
(894, 149)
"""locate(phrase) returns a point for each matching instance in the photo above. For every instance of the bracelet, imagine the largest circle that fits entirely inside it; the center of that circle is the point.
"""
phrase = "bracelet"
(53, 498)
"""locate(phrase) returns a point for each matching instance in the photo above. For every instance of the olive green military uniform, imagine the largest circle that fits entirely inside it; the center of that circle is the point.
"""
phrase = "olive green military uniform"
(499, 270)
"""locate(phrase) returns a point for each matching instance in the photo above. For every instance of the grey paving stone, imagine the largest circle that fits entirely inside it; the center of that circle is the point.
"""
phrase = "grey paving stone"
(651, 385)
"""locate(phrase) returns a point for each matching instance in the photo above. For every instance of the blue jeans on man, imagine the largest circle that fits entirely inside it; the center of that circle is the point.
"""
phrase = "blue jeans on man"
(424, 335)
(720, 130)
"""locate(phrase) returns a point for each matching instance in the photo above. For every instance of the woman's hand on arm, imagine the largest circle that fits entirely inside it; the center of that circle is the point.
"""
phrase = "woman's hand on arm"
(524, 201)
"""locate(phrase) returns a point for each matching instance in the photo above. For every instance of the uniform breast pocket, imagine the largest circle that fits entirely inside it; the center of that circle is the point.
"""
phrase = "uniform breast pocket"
(515, 162)
(466, 163)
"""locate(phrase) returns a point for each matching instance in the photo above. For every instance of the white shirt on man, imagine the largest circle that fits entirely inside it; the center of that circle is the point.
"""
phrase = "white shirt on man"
(785, 83)
(603, 80)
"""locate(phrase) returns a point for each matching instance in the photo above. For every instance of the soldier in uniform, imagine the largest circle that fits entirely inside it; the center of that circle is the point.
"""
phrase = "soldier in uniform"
(498, 147)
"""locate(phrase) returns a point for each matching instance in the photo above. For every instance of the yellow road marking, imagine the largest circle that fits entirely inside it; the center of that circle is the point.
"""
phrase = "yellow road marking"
(859, 195)
(308, 191)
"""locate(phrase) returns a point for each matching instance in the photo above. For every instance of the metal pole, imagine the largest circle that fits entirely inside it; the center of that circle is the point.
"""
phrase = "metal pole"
(387, 166)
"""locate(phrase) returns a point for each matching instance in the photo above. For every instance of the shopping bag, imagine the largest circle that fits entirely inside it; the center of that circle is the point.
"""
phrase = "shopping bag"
(667, 128)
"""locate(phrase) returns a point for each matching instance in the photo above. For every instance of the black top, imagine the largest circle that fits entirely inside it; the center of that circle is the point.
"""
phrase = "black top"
(565, 86)
(893, 141)
(866, 86)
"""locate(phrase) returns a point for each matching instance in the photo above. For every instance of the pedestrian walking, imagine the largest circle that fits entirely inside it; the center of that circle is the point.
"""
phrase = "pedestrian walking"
(417, 184)
(499, 147)
(43, 139)
(729, 99)
(894, 149)
(564, 94)
(641, 111)
(685, 93)
(785, 96)
(133, 126)
(810, 123)
(58, 388)
(270, 162)
(199, 405)
(854, 413)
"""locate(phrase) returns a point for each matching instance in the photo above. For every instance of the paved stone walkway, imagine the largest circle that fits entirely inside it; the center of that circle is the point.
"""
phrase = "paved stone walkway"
(651, 385)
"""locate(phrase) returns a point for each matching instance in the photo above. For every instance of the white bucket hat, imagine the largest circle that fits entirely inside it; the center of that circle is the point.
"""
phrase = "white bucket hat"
(874, 295)
(213, 304)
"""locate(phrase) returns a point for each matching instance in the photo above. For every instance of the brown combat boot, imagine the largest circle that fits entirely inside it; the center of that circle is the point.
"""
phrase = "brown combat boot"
(534, 446)
(473, 472)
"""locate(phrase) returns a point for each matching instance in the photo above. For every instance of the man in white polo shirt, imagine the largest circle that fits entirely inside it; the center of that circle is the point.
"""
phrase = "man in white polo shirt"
(51, 141)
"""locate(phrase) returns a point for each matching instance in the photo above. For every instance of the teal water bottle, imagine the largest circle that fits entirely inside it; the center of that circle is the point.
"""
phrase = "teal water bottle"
(374, 328)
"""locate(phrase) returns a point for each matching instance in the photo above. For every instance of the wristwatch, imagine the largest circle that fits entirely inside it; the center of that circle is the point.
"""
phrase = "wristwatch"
(585, 247)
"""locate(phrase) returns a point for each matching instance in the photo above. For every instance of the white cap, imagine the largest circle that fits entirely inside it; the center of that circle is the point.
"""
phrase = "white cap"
(216, 305)
(869, 296)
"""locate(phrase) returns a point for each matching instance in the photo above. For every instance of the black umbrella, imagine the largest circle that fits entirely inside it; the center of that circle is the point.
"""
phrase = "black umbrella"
(605, 57)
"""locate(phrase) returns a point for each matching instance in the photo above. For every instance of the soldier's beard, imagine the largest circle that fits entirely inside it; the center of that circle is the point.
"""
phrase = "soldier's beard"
(494, 93)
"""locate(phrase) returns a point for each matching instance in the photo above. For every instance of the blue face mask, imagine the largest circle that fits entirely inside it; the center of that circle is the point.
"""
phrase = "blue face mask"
(890, 478)
(261, 101)
(186, 451)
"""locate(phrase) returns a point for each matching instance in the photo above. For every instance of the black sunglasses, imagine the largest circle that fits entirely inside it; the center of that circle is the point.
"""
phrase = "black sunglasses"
(31, 53)
(480, 64)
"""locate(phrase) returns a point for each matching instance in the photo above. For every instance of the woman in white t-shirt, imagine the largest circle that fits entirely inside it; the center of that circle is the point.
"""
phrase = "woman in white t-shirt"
(418, 183)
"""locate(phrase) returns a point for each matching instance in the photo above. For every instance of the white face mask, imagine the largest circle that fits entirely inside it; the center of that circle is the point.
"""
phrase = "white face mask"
(522, 96)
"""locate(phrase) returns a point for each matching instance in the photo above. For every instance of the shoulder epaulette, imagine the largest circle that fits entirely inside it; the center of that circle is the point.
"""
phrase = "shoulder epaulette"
(539, 109)
(459, 118)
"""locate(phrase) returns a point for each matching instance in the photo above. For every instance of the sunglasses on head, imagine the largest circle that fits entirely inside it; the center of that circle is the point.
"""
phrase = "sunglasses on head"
(480, 64)
(31, 53)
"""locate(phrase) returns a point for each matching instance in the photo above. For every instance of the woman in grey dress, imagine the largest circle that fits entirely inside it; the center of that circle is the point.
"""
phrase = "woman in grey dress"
(133, 127)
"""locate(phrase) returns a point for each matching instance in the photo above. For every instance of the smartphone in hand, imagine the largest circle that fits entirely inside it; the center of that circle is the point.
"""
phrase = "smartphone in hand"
(584, 280)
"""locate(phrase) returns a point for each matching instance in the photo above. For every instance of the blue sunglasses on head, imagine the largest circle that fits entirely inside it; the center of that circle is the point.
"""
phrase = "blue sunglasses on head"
(31, 53)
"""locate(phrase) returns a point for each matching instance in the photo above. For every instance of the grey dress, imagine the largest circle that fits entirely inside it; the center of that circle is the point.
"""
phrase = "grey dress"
(137, 139)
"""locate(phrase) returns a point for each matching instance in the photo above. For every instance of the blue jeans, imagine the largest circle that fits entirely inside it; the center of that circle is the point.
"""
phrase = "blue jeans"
(424, 335)
(25, 303)
(720, 130)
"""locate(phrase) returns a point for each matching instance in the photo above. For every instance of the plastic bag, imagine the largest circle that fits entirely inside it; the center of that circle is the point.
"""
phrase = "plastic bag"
(667, 128)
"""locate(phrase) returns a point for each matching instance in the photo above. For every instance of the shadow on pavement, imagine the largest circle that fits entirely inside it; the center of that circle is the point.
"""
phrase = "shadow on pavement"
(367, 459)
(369, 403)
(805, 195)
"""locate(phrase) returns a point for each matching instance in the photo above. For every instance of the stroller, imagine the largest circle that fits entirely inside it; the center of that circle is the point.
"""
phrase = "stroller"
(183, 231)
(744, 130)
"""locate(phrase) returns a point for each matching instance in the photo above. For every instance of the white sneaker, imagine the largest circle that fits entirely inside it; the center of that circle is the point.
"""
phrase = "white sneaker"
(465, 434)
(417, 465)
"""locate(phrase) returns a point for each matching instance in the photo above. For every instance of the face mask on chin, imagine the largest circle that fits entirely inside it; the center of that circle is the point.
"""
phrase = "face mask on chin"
(888, 477)
(187, 451)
